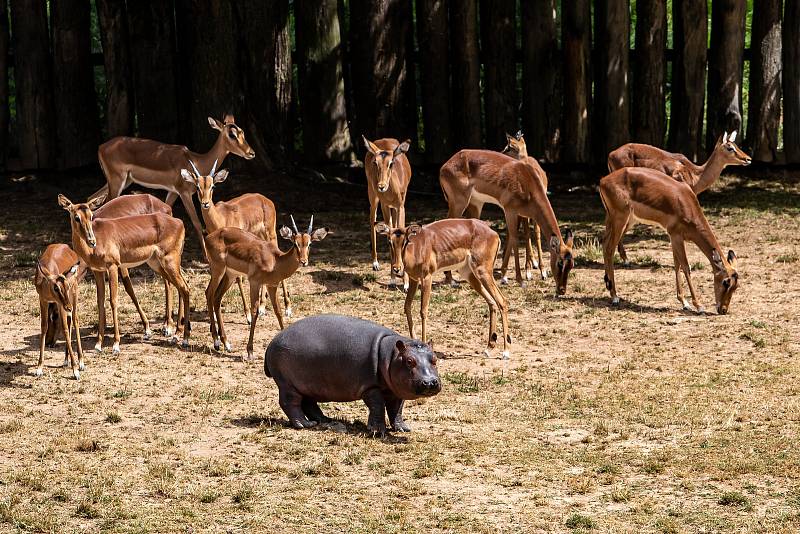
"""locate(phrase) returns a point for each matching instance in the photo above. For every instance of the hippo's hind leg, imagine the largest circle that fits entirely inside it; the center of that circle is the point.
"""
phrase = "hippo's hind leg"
(394, 409)
(291, 404)
(313, 411)
(374, 400)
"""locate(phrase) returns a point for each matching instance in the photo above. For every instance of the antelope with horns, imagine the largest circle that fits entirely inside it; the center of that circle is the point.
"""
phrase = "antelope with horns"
(235, 252)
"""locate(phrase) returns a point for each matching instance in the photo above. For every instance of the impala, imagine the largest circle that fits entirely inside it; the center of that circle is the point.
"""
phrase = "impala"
(467, 245)
(235, 252)
(642, 194)
(127, 160)
(106, 245)
(473, 177)
(252, 212)
(58, 273)
(388, 175)
(678, 166)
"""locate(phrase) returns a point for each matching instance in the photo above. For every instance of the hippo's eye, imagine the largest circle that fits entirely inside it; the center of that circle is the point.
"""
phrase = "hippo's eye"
(411, 362)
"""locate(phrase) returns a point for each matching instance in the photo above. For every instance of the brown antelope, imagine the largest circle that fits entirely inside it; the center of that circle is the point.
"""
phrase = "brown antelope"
(388, 176)
(467, 245)
(473, 177)
(678, 166)
(58, 273)
(517, 149)
(643, 194)
(252, 212)
(125, 206)
(127, 160)
(106, 245)
(235, 252)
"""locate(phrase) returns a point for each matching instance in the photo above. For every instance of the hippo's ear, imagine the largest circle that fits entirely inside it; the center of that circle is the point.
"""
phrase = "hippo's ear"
(430, 344)
(401, 347)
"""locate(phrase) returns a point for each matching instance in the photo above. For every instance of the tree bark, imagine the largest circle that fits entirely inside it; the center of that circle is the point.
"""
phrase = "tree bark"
(4, 109)
(381, 44)
(432, 37)
(466, 72)
(765, 81)
(650, 72)
(791, 81)
(541, 90)
(725, 64)
(688, 77)
(498, 50)
(326, 134)
(117, 61)
(577, 38)
(151, 26)
(78, 125)
(613, 114)
(33, 81)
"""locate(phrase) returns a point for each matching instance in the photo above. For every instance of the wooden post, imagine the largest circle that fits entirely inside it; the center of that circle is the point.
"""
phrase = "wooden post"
(36, 124)
(113, 21)
(577, 36)
(725, 64)
(541, 80)
(432, 37)
(650, 72)
(498, 50)
(612, 115)
(791, 81)
(765, 81)
(466, 69)
(688, 77)
(77, 120)
(326, 136)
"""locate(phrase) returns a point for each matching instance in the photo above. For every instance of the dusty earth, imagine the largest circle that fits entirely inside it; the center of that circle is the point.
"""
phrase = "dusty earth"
(637, 418)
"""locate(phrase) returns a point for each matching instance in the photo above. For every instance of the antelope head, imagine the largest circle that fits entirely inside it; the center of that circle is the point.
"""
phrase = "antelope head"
(398, 241)
(81, 217)
(60, 285)
(561, 260)
(233, 136)
(726, 279)
(301, 241)
(204, 184)
(515, 146)
(730, 152)
(384, 161)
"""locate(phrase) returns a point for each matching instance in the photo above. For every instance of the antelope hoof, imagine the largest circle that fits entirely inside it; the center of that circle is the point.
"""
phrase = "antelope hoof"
(81, 366)
(288, 312)
(115, 350)
(262, 311)
(701, 310)
(544, 275)
(228, 347)
(98, 347)
(504, 281)
(248, 319)
(506, 355)
(216, 344)
(523, 283)
(147, 334)
(376, 266)
(453, 283)
(405, 288)
(615, 301)
(487, 353)
(76, 373)
(535, 264)
(686, 306)
(168, 331)
(66, 362)
(248, 357)
(529, 274)
(38, 371)
(185, 344)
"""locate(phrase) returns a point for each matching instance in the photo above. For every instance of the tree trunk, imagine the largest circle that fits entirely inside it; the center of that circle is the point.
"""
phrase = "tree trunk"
(650, 71)
(577, 38)
(725, 65)
(613, 114)
(33, 81)
(688, 77)
(326, 135)
(151, 25)
(765, 81)
(466, 73)
(4, 109)
(78, 125)
(117, 60)
(433, 44)
(541, 91)
(791, 81)
(381, 42)
(498, 48)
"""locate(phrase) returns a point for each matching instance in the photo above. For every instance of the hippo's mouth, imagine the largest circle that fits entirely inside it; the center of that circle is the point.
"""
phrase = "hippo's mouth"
(428, 388)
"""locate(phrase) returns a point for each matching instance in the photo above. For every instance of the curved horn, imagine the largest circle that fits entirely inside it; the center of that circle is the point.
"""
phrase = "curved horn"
(195, 168)
(294, 225)
(311, 224)
(214, 168)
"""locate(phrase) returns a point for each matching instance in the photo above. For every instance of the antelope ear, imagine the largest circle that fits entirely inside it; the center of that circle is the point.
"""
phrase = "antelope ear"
(221, 176)
(41, 270)
(73, 270)
(724, 138)
(187, 175)
(732, 137)
(286, 233)
(382, 228)
(64, 202)
(96, 202)
(554, 243)
(402, 148)
(732, 259)
(372, 148)
(413, 229)
(569, 239)
(228, 118)
(319, 234)
(509, 138)
(214, 123)
(716, 260)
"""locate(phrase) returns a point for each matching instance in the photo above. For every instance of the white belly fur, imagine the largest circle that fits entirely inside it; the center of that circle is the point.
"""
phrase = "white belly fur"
(635, 220)
(483, 199)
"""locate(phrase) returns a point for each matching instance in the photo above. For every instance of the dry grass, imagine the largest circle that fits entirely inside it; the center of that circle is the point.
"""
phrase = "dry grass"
(637, 418)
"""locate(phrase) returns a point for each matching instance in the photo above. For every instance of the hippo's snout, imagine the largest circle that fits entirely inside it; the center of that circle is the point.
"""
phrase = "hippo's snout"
(428, 387)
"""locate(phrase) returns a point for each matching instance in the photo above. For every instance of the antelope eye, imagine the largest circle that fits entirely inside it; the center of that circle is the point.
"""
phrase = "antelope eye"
(78, 219)
(726, 283)
(730, 148)
(232, 134)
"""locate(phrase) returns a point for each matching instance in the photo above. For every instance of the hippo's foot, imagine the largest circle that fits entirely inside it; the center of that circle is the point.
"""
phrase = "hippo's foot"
(375, 265)
(313, 412)
(400, 426)
(300, 424)
(377, 430)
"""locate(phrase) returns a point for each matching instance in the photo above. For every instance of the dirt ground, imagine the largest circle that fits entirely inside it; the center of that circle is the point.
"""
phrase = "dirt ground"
(637, 418)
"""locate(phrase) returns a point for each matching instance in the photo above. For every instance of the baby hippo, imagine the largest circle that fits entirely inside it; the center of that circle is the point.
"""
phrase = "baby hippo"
(335, 358)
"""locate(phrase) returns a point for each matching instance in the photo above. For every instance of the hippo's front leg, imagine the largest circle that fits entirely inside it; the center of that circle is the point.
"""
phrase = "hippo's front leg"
(376, 422)
(394, 409)
(291, 404)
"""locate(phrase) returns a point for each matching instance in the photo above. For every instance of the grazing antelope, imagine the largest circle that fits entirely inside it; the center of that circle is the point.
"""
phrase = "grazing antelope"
(517, 149)
(642, 194)
(467, 245)
(388, 176)
(106, 245)
(235, 252)
(252, 212)
(58, 273)
(678, 166)
(127, 160)
(473, 177)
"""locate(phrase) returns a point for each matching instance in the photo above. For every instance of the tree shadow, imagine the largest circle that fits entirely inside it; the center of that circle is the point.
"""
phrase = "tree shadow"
(604, 303)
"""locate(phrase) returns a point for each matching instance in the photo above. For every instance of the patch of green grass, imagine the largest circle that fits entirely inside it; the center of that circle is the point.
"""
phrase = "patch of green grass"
(733, 498)
(589, 251)
(646, 260)
(464, 382)
(697, 266)
(10, 426)
(122, 394)
(243, 494)
(787, 258)
(755, 323)
(208, 496)
(579, 522)
(758, 341)
(113, 418)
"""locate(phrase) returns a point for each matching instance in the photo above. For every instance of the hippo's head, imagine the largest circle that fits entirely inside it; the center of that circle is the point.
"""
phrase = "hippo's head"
(412, 371)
